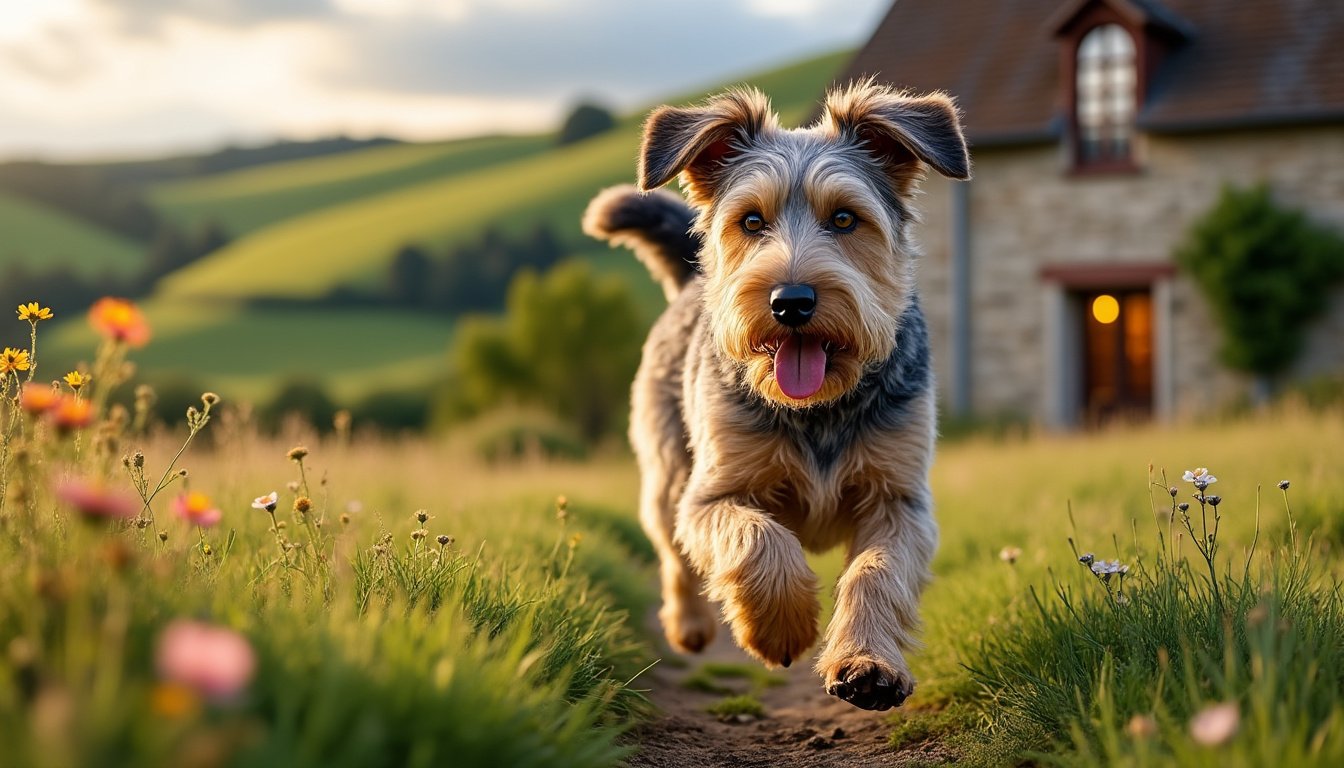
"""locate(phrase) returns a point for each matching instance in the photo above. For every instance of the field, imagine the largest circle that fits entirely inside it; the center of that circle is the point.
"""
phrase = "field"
(410, 603)
(37, 237)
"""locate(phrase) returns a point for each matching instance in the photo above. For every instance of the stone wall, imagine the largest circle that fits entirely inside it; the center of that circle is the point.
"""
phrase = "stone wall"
(1028, 211)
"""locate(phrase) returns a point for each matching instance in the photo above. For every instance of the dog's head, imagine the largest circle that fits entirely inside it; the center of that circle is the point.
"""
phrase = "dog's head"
(807, 260)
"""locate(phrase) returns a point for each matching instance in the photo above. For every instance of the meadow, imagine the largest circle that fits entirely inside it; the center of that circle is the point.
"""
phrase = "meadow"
(406, 602)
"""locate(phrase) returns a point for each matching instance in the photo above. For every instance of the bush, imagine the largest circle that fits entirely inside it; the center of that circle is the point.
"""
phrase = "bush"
(1266, 272)
(303, 398)
(569, 342)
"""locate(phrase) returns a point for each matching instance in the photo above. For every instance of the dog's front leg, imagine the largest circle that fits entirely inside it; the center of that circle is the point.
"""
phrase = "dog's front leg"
(877, 604)
(755, 567)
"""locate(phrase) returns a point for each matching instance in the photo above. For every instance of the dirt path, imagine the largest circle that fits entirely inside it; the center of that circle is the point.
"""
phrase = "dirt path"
(802, 725)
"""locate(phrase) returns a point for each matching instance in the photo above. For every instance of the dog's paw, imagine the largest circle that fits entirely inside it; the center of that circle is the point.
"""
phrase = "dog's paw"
(868, 683)
(689, 627)
(776, 628)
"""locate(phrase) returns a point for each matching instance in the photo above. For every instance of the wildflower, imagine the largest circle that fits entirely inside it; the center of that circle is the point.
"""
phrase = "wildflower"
(302, 504)
(421, 516)
(345, 518)
(444, 540)
(1184, 506)
(71, 413)
(95, 501)
(14, 360)
(1141, 727)
(196, 508)
(561, 509)
(1200, 476)
(267, 502)
(1215, 500)
(1215, 724)
(119, 320)
(292, 485)
(1009, 555)
(1173, 491)
(38, 398)
(419, 534)
(1106, 569)
(214, 662)
(163, 536)
(210, 399)
(1283, 485)
(138, 459)
(32, 312)
(1087, 558)
(297, 453)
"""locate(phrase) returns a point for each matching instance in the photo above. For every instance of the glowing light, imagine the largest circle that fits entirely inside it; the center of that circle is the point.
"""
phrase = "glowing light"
(1105, 309)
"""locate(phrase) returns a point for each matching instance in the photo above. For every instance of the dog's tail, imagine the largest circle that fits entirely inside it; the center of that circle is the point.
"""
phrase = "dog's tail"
(656, 226)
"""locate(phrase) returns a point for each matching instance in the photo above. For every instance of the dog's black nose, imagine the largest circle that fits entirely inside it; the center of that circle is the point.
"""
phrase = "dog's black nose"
(793, 304)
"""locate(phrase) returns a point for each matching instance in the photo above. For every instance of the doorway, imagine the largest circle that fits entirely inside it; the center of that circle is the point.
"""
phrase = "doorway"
(1117, 355)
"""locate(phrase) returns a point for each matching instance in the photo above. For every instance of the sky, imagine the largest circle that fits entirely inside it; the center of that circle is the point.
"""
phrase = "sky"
(108, 78)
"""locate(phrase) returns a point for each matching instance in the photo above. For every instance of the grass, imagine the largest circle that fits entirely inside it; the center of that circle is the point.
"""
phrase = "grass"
(733, 706)
(523, 632)
(250, 199)
(375, 642)
(244, 352)
(41, 239)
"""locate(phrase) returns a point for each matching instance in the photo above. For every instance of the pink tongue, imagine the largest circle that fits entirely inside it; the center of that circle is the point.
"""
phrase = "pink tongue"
(800, 366)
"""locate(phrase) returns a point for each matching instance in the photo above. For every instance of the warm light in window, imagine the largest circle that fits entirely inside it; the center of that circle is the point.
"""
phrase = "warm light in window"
(1105, 309)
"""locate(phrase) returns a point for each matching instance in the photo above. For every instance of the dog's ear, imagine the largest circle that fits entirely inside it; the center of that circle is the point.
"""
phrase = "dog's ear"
(696, 141)
(900, 129)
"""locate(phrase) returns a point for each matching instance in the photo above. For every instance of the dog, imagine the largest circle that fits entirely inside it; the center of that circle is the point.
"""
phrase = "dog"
(785, 398)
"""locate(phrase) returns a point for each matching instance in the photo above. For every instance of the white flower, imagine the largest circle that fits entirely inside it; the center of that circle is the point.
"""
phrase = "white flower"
(1215, 724)
(266, 503)
(1010, 554)
(1200, 476)
(1107, 568)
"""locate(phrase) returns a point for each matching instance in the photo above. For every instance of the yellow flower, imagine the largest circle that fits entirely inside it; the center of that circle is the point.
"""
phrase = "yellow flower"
(33, 312)
(13, 360)
(77, 380)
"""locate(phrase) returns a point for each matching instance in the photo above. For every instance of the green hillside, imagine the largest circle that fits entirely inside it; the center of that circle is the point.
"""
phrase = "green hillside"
(307, 256)
(38, 237)
(249, 199)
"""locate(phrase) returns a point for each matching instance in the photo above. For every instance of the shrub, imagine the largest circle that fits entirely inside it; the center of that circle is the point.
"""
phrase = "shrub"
(585, 121)
(1267, 273)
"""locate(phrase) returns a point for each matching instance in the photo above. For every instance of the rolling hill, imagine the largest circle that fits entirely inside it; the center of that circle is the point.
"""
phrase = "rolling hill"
(318, 224)
(32, 235)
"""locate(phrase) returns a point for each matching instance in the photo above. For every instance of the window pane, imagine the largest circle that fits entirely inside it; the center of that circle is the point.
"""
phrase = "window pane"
(1105, 91)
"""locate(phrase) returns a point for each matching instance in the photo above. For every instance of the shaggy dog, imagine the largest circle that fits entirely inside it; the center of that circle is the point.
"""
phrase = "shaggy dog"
(785, 398)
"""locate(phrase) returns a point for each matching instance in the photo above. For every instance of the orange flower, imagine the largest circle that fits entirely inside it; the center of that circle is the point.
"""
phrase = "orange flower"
(195, 507)
(38, 398)
(120, 320)
(72, 413)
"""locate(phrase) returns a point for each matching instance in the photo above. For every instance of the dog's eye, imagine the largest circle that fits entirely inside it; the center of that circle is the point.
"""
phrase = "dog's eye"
(843, 221)
(753, 223)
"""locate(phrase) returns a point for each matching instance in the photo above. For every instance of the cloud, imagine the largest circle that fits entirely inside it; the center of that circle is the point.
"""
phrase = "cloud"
(627, 50)
(147, 16)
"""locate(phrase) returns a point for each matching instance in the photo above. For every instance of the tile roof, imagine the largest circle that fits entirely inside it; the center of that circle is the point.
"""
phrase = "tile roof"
(1241, 63)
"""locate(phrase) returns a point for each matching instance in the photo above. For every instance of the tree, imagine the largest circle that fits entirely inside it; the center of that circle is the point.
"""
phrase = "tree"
(1266, 272)
(569, 341)
(411, 273)
(586, 120)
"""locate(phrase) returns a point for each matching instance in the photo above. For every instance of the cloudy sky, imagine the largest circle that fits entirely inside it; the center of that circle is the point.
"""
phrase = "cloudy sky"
(86, 78)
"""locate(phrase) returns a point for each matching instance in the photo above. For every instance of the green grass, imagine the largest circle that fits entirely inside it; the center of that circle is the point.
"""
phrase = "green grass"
(250, 199)
(373, 647)
(42, 239)
(244, 352)
(732, 706)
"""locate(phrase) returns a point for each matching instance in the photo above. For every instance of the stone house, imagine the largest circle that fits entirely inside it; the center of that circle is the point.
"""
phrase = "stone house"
(1100, 130)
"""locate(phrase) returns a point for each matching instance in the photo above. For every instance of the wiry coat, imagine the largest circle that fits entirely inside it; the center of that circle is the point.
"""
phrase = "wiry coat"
(737, 476)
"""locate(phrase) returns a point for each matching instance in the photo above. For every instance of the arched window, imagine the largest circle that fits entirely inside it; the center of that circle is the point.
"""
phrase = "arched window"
(1105, 83)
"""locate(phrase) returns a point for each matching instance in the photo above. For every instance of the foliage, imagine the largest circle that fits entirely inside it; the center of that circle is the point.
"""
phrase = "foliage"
(585, 121)
(1267, 273)
(569, 342)
(301, 398)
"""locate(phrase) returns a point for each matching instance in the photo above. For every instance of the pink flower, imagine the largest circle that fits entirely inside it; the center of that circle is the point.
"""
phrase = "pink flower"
(197, 508)
(96, 501)
(215, 662)
(1215, 724)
